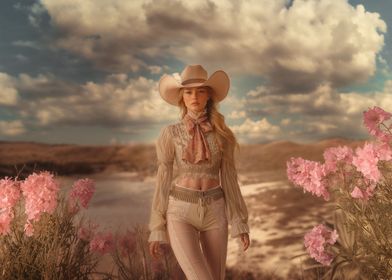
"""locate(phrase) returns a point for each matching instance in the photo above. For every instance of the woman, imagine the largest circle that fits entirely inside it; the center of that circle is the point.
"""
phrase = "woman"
(196, 208)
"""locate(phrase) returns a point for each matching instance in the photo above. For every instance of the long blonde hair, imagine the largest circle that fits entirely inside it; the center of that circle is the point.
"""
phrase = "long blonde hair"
(225, 137)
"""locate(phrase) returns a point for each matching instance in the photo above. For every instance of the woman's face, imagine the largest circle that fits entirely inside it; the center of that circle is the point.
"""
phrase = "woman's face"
(195, 98)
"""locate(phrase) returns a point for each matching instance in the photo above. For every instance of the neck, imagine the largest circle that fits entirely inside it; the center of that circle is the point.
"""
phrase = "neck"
(196, 114)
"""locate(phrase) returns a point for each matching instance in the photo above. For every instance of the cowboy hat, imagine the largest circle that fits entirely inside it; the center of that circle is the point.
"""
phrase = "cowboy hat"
(193, 76)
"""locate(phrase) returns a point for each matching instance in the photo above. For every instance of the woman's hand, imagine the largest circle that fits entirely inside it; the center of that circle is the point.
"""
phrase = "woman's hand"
(155, 249)
(245, 240)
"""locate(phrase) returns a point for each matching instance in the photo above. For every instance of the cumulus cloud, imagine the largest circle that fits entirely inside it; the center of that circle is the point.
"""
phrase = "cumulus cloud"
(256, 131)
(323, 100)
(296, 47)
(12, 128)
(117, 102)
(237, 114)
(132, 105)
(8, 93)
(307, 117)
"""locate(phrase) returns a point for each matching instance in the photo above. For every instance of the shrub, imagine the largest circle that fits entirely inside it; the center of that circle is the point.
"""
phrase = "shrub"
(360, 186)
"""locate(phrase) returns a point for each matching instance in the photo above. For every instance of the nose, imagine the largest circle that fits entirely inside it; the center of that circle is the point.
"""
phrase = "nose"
(194, 94)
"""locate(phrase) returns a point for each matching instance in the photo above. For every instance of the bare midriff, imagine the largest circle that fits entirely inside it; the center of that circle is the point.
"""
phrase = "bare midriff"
(201, 184)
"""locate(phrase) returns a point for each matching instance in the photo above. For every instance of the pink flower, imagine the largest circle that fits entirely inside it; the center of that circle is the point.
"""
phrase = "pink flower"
(372, 119)
(127, 243)
(335, 154)
(87, 232)
(82, 191)
(309, 175)
(40, 192)
(9, 196)
(28, 229)
(102, 243)
(357, 193)
(316, 242)
(382, 151)
(366, 160)
(9, 193)
(364, 194)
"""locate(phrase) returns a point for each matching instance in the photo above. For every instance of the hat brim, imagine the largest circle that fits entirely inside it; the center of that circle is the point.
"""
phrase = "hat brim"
(169, 87)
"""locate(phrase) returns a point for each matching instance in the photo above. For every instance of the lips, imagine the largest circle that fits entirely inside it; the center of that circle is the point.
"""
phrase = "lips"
(195, 103)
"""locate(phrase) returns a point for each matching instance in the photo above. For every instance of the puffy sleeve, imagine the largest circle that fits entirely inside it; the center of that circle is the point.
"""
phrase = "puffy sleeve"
(236, 209)
(165, 159)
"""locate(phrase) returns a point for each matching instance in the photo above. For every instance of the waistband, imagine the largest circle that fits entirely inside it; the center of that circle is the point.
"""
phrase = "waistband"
(195, 196)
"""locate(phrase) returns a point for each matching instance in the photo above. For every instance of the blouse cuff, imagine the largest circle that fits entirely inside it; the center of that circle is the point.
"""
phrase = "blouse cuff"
(158, 235)
(238, 228)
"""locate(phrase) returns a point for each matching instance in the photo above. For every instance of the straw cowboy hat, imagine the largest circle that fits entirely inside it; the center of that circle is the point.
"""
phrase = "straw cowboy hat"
(193, 76)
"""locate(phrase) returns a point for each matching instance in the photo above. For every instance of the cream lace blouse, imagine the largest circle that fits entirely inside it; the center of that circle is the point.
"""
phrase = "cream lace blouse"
(171, 141)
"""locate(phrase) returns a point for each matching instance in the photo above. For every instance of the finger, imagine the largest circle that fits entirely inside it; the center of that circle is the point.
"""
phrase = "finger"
(246, 244)
(157, 251)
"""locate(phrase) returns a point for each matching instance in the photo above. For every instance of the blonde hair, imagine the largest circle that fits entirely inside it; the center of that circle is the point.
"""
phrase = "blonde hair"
(225, 136)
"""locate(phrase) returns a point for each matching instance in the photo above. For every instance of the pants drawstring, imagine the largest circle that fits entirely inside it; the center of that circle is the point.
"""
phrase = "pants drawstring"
(201, 209)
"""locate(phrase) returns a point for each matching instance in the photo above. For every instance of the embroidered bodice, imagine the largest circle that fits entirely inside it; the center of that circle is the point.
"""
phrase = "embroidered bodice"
(204, 169)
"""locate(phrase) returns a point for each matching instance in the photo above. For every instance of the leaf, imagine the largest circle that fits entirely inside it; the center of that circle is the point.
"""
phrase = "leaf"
(297, 256)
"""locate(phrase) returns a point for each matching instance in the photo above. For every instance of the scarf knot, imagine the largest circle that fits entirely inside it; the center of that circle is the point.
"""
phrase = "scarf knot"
(197, 148)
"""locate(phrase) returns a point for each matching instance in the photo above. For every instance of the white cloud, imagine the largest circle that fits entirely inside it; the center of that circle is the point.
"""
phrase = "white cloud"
(237, 115)
(323, 113)
(11, 128)
(256, 131)
(117, 102)
(297, 48)
(8, 93)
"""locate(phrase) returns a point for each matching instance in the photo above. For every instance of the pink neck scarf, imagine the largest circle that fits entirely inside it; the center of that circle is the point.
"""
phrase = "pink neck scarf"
(197, 148)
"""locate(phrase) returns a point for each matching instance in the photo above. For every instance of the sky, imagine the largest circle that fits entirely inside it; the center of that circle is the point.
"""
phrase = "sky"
(86, 72)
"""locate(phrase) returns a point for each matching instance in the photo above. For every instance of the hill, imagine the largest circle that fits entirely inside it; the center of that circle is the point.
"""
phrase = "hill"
(266, 161)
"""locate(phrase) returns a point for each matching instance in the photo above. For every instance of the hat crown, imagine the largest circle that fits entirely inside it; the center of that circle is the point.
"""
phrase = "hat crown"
(193, 73)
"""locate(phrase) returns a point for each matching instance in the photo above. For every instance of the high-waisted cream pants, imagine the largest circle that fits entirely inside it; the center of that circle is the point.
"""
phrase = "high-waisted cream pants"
(198, 236)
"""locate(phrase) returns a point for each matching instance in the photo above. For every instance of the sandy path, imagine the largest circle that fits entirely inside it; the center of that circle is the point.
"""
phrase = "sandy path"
(279, 215)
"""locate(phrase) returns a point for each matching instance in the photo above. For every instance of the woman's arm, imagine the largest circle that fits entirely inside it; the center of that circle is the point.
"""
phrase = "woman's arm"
(165, 158)
(236, 209)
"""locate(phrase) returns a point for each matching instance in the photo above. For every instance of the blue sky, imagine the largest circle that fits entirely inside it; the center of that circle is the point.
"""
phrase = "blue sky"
(86, 72)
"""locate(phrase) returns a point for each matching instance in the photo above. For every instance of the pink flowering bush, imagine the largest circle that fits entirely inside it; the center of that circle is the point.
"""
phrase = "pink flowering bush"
(42, 235)
(39, 236)
(359, 183)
